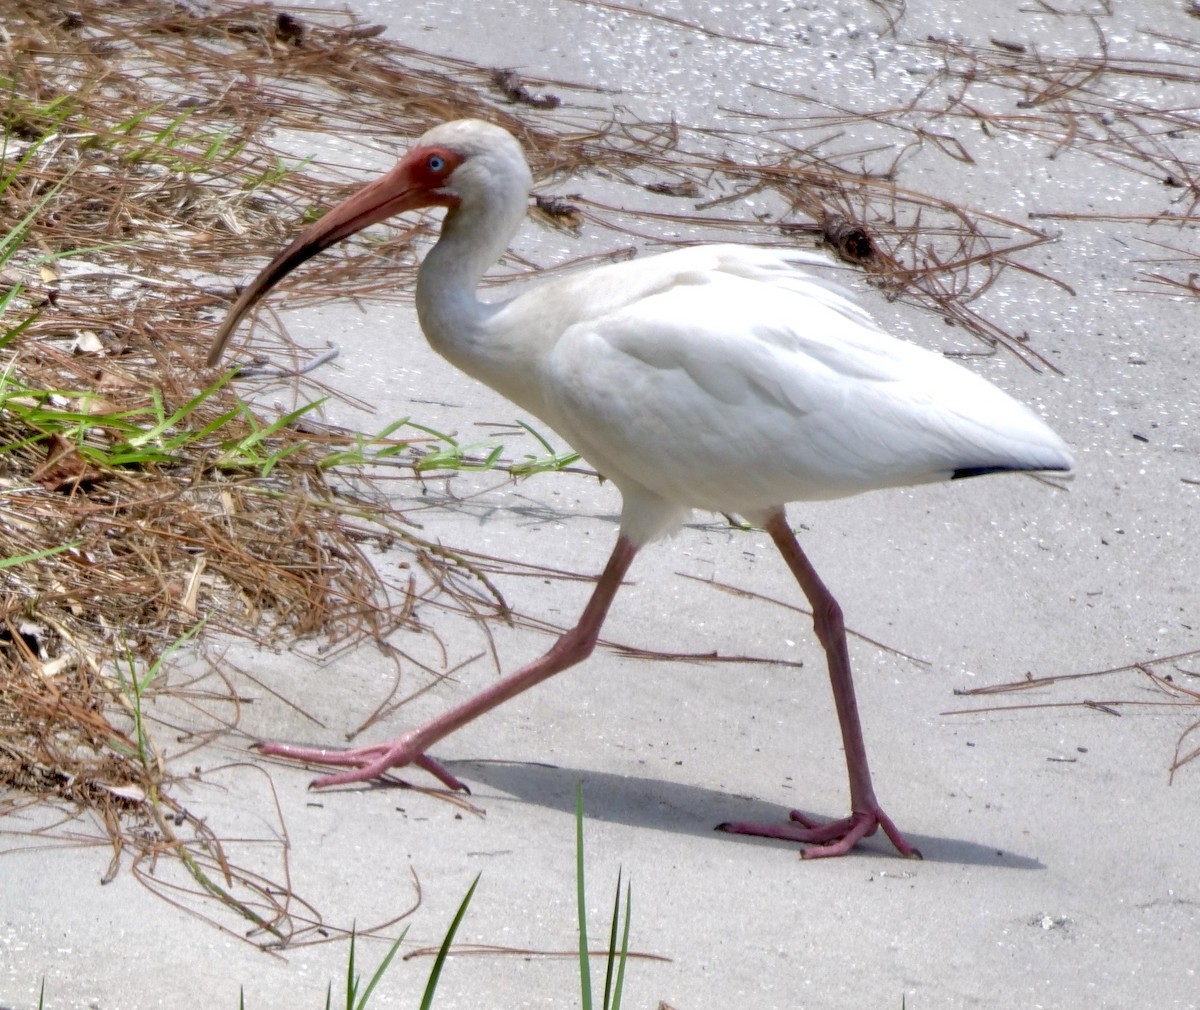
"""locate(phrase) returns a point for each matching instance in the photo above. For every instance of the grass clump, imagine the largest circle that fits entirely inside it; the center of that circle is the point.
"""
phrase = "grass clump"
(616, 955)
(144, 504)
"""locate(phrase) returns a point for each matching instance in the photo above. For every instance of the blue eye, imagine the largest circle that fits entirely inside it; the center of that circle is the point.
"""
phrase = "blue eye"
(436, 163)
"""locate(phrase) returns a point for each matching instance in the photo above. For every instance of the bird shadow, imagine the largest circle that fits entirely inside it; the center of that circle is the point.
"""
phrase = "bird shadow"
(685, 809)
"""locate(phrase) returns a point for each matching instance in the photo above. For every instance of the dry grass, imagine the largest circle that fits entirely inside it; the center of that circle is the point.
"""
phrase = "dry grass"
(137, 501)
(143, 173)
(1161, 684)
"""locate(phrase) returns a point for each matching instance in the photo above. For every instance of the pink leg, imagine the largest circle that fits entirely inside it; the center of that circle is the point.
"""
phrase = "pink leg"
(575, 645)
(837, 837)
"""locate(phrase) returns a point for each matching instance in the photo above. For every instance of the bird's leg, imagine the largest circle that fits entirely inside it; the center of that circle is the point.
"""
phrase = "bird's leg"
(572, 647)
(838, 837)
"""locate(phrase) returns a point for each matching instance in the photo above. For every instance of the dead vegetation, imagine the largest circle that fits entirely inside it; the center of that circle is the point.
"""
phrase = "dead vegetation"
(1164, 684)
(155, 151)
(143, 501)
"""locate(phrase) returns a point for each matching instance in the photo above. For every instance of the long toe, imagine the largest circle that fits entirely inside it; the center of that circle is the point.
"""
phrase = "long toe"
(834, 838)
(362, 764)
(378, 761)
(321, 755)
(438, 771)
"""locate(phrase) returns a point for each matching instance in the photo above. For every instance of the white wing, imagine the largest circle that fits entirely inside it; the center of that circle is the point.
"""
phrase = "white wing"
(724, 393)
(724, 378)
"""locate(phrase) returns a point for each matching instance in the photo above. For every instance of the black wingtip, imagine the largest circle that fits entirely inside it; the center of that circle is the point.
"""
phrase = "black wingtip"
(979, 471)
(983, 471)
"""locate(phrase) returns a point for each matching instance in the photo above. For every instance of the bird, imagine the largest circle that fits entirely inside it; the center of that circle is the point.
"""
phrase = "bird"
(728, 378)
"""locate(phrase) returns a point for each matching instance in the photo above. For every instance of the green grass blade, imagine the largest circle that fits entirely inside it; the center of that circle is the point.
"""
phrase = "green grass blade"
(383, 966)
(195, 436)
(127, 126)
(624, 947)
(273, 460)
(255, 437)
(538, 435)
(13, 332)
(436, 971)
(552, 461)
(81, 250)
(55, 118)
(612, 944)
(166, 422)
(167, 136)
(37, 555)
(214, 148)
(439, 435)
(137, 686)
(585, 969)
(351, 980)
(15, 236)
(166, 654)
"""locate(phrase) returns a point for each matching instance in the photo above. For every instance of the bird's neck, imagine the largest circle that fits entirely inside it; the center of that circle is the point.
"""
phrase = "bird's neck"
(456, 323)
(446, 283)
(473, 238)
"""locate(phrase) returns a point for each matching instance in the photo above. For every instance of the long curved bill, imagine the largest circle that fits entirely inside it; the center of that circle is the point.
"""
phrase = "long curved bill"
(391, 194)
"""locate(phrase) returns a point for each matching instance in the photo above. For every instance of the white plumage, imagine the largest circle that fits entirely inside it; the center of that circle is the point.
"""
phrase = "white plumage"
(720, 377)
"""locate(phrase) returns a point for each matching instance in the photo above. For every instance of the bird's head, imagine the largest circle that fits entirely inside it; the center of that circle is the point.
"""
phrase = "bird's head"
(460, 165)
(480, 164)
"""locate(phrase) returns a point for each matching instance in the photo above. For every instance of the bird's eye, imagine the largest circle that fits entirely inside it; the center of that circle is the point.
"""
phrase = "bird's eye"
(436, 163)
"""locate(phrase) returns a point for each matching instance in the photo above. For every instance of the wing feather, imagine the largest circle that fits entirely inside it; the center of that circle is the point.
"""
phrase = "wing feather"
(721, 391)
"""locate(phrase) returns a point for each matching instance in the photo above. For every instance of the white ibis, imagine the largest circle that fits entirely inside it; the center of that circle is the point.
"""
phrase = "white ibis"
(718, 377)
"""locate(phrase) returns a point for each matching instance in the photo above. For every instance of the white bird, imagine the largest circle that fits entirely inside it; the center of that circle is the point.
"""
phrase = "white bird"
(718, 377)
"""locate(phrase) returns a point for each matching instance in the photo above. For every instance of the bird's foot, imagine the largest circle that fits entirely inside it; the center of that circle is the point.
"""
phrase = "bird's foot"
(833, 838)
(365, 763)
